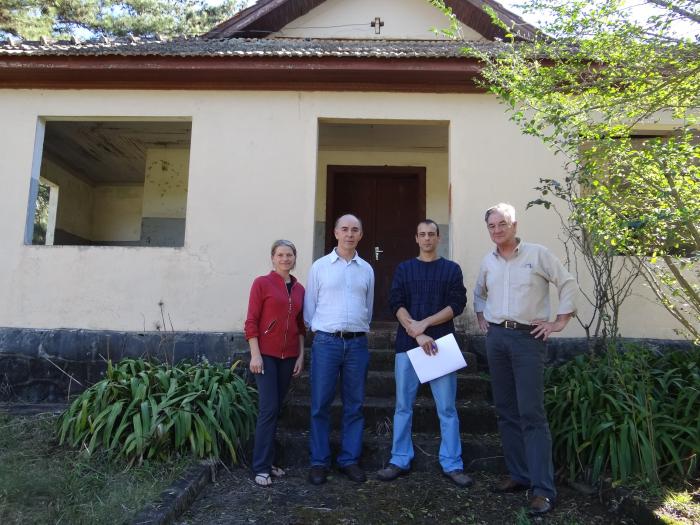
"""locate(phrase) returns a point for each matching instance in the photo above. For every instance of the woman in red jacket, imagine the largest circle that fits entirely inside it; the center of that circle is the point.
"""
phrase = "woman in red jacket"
(275, 332)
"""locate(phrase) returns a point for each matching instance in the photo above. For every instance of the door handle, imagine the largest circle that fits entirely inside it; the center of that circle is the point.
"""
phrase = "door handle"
(377, 252)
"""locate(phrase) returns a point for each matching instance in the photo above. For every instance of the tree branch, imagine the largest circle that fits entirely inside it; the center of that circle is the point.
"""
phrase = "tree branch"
(678, 10)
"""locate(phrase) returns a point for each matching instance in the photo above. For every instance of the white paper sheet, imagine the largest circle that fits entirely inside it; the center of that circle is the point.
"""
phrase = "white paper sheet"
(448, 359)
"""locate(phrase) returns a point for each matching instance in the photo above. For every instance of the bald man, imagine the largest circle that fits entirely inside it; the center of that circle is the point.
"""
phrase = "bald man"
(338, 308)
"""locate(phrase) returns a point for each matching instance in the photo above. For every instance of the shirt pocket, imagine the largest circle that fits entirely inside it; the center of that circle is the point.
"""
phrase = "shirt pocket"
(522, 277)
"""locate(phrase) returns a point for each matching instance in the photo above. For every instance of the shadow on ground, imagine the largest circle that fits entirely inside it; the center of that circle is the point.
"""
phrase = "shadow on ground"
(422, 497)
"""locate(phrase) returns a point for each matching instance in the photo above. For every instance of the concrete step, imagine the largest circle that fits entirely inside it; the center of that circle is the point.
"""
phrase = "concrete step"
(382, 359)
(479, 451)
(382, 384)
(475, 417)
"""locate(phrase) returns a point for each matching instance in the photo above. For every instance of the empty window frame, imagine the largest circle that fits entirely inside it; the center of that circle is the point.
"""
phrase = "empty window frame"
(112, 183)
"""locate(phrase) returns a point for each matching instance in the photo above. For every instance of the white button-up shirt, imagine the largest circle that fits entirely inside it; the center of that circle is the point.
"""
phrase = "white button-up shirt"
(339, 294)
(517, 289)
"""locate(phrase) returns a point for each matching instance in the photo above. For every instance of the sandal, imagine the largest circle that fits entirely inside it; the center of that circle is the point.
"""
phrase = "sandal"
(263, 479)
(277, 472)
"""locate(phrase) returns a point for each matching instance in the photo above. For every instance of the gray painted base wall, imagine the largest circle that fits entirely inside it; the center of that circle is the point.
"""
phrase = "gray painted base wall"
(37, 365)
(48, 365)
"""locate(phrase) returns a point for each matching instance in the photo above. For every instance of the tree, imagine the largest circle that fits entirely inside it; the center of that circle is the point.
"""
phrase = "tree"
(32, 19)
(41, 215)
(597, 86)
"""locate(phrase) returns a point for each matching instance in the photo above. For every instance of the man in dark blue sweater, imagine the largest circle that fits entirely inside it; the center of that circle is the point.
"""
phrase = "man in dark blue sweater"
(426, 294)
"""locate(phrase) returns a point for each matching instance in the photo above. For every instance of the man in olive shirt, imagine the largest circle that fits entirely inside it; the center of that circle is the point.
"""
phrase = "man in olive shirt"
(511, 300)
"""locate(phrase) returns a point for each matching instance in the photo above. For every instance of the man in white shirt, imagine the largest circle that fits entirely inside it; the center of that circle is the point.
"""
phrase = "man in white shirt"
(338, 308)
(511, 300)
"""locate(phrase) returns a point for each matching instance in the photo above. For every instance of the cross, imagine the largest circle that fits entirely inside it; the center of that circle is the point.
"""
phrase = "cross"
(377, 25)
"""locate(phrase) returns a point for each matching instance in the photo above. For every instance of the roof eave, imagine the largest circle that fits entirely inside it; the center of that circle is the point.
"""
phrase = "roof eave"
(444, 75)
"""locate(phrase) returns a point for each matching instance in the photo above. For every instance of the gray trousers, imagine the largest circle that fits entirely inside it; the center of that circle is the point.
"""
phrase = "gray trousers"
(516, 363)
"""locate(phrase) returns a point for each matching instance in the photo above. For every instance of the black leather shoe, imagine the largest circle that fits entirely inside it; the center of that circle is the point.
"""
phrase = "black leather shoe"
(318, 475)
(354, 473)
(540, 505)
(391, 472)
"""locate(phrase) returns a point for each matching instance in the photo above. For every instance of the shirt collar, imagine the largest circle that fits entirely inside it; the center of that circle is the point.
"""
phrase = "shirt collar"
(517, 248)
(335, 256)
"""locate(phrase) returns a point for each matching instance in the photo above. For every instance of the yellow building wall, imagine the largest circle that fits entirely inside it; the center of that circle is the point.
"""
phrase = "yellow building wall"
(76, 201)
(253, 171)
(117, 215)
(403, 19)
(165, 186)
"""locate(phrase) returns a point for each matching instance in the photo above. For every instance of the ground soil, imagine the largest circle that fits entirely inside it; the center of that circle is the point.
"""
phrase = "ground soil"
(421, 497)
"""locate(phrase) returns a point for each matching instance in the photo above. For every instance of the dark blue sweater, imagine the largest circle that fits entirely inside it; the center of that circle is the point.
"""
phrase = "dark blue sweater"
(425, 288)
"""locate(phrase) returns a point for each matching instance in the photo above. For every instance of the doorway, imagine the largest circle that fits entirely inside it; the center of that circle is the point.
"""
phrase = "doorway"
(390, 201)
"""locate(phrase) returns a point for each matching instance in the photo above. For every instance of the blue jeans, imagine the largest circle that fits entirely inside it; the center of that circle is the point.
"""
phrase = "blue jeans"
(347, 359)
(444, 393)
(272, 389)
(516, 363)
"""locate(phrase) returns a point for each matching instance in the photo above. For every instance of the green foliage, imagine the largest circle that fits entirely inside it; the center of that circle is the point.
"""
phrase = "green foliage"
(41, 215)
(599, 73)
(144, 410)
(31, 19)
(632, 414)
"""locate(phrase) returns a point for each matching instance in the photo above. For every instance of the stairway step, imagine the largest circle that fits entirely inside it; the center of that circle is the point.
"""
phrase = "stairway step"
(474, 416)
(479, 451)
(382, 384)
(382, 359)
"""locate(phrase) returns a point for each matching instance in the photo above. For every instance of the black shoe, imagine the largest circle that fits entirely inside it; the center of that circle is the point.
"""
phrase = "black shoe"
(459, 478)
(354, 473)
(318, 475)
(540, 505)
(391, 472)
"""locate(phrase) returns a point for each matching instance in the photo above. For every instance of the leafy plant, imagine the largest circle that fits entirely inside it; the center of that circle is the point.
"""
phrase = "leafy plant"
(611, 87)
(633, 414)
(145, 410)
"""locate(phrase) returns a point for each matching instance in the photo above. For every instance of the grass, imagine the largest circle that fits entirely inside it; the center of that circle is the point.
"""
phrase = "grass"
(680, 507)
(41, 482)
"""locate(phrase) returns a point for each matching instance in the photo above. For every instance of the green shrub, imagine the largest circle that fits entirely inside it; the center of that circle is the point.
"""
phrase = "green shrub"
(144, 410)
(632, 414)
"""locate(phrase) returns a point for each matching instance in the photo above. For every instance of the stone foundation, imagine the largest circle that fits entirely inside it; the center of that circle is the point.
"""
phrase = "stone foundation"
(49, 365)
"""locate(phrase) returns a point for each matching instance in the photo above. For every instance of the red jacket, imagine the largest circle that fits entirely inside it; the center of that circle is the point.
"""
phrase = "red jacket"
(275, 317)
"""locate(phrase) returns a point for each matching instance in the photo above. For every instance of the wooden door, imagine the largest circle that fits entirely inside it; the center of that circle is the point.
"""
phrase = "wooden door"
(390, 201)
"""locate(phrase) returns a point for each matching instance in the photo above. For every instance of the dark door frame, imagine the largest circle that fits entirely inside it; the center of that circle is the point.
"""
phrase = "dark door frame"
(333, 170)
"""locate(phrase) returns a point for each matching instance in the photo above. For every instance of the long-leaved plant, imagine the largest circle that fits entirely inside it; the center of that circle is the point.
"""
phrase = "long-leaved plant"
(632, 415)
(145, 410)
